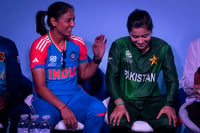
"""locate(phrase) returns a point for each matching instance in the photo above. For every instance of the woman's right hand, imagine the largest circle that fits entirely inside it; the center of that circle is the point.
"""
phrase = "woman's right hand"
(197, 91)
(69, 118)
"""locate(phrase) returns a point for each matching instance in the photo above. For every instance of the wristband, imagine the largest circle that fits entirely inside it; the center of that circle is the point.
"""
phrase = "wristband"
(64, 106)
(119, 103)
(96, 61)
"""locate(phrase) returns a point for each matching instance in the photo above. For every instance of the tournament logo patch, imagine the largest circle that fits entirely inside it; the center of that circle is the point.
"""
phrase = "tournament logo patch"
(73, 56)
(52, 60)
(128, 56)
(2, 56)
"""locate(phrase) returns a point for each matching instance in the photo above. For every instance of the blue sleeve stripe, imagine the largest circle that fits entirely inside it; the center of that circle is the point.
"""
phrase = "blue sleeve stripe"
(85, 60)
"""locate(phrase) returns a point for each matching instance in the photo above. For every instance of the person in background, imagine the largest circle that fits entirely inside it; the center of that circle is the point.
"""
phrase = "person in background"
(57, 59)
(11, 86)
(192, 63)
(134, 64)
(190, 81)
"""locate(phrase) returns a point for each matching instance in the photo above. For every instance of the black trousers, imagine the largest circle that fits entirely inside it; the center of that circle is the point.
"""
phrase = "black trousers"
(146, 110)
(10, 115)
(194, 112)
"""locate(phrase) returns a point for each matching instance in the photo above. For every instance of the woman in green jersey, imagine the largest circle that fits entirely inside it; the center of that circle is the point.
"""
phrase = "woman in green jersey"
(134, 64)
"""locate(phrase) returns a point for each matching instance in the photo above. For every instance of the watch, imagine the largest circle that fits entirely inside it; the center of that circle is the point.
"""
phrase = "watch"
(96, 61)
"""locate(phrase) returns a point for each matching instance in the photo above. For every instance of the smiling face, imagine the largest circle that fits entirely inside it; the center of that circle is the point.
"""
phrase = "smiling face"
(64, 24)
(141, 38)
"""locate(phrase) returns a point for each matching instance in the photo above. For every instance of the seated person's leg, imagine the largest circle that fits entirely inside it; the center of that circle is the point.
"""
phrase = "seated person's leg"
(88, 110)
(119, 129)
(16, 108)
(124, 125)
(43, 107)
(193, 112)
(4, 119)
(150, 112)
(161, 125)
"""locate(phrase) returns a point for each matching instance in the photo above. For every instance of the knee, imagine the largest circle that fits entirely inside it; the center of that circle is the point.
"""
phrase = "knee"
(168, 127)
(165, 126)
(54, 121)
(97, 109)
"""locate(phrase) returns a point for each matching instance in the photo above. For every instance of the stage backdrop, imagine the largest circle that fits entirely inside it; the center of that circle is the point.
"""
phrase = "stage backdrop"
(175, 21)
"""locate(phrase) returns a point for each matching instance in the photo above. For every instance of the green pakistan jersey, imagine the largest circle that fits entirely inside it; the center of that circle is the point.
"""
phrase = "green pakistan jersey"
(133, 75)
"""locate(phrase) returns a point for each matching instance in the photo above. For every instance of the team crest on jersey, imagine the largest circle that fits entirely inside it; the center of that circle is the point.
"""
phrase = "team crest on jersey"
(2, 56)
(73, 56)
(153, 60)
(52, 60)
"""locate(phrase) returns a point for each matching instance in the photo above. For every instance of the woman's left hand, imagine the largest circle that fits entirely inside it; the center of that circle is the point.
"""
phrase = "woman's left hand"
(169, 111)
(99, 46)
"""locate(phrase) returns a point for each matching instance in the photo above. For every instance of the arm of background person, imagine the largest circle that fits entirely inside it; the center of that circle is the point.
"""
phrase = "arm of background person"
(13, 70)
(191, 64)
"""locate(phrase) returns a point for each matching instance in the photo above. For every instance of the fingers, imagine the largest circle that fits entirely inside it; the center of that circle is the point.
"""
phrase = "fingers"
(173, 116)
(198, 95)
(115, 118)
(101, 39)
(170, 114)
(71, 124)
(160, 113)
(175, 120)
(74, 125)
(169, 118)
(127, 116)
(105, 42)
(98, 38)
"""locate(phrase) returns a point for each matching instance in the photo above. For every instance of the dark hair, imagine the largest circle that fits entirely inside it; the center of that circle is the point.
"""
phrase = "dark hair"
(55, 10)
(139, 18)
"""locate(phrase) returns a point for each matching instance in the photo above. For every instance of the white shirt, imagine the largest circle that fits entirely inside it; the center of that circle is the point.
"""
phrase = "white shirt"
(191, 64)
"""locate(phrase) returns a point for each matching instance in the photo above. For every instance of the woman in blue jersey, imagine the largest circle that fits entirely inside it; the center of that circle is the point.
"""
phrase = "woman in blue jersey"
(57, 58)
(134, 64)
